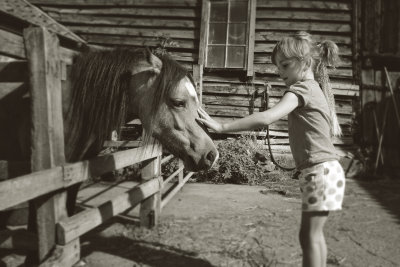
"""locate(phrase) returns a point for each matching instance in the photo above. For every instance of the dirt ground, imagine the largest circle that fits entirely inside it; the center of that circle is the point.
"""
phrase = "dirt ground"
(237, 225)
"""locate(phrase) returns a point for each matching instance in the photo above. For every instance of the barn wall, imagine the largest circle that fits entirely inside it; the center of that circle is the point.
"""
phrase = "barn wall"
(176, 24)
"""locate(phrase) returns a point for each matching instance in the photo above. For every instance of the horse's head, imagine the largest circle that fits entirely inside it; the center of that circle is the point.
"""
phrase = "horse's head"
(166, 102)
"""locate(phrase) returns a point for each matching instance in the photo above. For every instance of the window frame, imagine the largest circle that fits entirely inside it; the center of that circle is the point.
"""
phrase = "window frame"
(204, 34)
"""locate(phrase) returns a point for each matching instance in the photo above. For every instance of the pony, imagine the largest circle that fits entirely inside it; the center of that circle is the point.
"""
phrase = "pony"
(112, 87)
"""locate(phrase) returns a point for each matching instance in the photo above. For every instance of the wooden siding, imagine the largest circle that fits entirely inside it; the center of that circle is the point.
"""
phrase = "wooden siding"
(226, 95)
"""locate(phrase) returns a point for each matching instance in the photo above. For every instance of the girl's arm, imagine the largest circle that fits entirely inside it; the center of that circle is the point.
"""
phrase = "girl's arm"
(286, 105)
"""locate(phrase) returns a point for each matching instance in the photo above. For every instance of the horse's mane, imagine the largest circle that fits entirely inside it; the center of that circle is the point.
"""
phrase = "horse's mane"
(100, 96)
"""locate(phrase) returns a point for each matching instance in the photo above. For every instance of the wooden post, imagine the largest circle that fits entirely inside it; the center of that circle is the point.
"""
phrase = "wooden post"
(150, 207)
(251, 40)
(47, 151)
(198, 80)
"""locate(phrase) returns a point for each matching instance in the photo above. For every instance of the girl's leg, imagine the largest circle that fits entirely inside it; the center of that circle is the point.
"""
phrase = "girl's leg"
(312, 239)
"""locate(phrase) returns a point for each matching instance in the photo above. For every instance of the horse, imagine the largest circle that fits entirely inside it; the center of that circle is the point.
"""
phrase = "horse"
(112, 87)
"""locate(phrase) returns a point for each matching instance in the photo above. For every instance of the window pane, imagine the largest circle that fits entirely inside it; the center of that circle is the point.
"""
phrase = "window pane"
(238, 11)
(215, 56)
(217, 33)
(235, 57)
(237, 33)
(219, 11)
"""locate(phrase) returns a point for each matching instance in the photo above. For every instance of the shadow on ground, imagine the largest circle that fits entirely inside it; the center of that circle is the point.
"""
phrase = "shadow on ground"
(385, 192)
(141, 252)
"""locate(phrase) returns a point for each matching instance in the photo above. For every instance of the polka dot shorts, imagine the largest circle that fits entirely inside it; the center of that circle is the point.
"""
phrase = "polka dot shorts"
(322, 187)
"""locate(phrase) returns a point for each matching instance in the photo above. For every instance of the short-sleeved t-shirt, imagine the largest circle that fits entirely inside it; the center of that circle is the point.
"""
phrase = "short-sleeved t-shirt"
(309, 128)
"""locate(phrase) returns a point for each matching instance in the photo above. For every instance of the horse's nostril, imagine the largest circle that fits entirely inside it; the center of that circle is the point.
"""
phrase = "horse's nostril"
(211, 156)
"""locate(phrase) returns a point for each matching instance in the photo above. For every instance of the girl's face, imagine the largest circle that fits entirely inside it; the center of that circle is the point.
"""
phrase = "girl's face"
(289, 69)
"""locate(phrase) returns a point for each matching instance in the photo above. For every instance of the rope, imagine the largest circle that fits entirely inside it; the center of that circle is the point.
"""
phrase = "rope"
(265, 102)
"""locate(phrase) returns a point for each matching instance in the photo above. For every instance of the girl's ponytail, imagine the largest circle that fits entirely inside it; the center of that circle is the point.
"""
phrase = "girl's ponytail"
(328, 57)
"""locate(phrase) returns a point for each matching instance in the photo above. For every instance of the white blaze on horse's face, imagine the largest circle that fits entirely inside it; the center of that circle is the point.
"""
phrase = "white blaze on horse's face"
(191, 90)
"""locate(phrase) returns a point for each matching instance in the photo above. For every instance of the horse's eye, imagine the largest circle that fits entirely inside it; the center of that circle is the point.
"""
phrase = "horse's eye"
(178, 103)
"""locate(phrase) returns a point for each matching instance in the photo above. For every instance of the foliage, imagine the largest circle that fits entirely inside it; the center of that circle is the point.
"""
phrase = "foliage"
(239, 162)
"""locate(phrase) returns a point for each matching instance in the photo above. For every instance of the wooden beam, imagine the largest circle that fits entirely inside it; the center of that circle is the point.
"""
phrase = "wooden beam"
(80, 223)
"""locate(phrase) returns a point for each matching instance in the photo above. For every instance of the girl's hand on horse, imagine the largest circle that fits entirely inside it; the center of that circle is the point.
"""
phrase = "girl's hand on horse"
(208, 121)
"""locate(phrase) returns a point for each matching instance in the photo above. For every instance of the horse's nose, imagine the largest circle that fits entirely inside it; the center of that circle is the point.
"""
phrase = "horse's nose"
(212, 157)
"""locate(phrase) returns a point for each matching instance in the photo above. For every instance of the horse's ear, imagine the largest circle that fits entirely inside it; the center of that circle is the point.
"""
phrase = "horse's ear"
(154, 61)
(151, 63)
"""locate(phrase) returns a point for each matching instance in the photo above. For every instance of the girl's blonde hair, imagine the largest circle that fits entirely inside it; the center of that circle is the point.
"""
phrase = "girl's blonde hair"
(318, 56)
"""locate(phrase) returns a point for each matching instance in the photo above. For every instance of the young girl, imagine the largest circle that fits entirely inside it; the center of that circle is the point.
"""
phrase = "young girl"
(312, 122)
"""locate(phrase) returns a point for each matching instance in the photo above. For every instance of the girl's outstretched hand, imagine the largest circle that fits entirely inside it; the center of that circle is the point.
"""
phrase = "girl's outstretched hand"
(208, 121)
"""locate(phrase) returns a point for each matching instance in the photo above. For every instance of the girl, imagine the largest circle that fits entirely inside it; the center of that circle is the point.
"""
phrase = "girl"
(312, 122)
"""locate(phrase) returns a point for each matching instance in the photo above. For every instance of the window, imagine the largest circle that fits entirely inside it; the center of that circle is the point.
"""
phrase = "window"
(227, 34)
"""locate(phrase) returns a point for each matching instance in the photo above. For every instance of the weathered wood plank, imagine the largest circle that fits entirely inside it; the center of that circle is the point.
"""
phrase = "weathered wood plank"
(325, 5)
(251, 38)
(181, 12)
(47, 138)
(271, 68)
(320, 15)
(11, 44)
(153, 3)
(143, 32)
(203, 31)
(90, 19)
(138, 41)
(303, 26)
(39, 183)
(275, 36)
(265, 58)
(75, 226)
(27, 12)
(268, 48)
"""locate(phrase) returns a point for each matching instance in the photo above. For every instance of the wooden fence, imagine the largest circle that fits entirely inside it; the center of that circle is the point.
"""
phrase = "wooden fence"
(45, 188)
